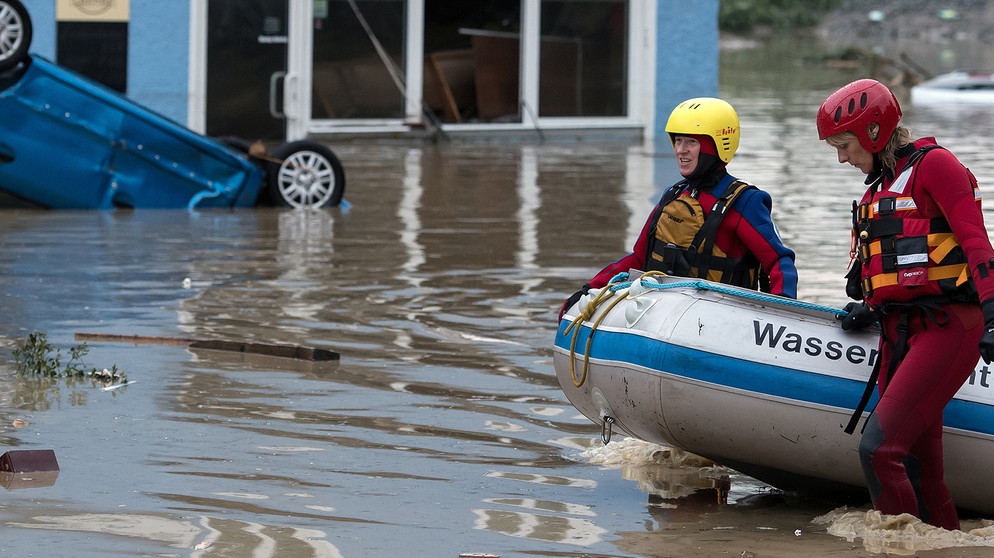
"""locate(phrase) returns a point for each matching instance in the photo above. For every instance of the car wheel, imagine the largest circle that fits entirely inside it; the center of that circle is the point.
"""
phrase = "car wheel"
(305, 174)
(15, 34)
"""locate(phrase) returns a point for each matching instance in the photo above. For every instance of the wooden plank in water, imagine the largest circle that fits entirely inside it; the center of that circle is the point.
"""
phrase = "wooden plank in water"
(285, 351)
(135, 339)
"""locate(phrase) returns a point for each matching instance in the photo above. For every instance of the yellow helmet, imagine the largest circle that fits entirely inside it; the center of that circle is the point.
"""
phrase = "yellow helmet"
(710, 117)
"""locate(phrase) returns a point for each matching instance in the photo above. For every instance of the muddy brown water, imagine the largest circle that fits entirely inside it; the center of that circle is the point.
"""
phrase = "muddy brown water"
(442, 430)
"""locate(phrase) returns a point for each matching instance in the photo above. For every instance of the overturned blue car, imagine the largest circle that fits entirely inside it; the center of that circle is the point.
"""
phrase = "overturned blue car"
(67, 142)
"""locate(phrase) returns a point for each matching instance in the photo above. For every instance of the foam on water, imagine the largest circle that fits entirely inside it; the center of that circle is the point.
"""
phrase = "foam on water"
(903, 535)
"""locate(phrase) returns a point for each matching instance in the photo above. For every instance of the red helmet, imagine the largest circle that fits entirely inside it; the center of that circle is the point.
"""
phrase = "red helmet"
(855, 107)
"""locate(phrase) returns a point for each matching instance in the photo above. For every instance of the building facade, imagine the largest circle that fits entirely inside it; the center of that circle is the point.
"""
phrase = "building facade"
(288, 69)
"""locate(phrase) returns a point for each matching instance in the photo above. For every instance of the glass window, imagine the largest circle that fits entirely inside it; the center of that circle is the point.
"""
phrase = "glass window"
(584, 58)
(471, 69)
(472, 59)
(358, 70)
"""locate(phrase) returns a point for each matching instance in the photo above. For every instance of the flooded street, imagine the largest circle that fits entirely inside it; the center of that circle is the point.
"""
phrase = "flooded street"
(441, 430)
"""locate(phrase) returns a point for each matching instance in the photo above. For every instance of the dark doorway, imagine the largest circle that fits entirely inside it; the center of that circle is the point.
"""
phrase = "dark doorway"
(246, 62)
(96, 49)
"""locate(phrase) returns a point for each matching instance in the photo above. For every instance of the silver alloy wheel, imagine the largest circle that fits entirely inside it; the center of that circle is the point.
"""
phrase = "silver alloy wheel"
(306, 179)
(303, 174)
(15, 33)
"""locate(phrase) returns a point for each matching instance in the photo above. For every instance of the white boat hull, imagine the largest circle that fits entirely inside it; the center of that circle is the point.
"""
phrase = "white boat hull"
(757, 383)
(967, 88)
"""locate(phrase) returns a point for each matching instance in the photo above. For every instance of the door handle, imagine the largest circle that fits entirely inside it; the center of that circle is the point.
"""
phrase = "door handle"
(291, 100)
(274, 82)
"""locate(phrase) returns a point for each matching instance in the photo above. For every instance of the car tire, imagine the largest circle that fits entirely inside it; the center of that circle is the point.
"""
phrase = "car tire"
(305, 174)
(15, 34)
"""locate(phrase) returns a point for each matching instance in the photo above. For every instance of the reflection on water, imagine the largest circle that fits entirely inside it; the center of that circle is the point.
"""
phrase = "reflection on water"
(442, 430)
(205, 537)
(667, 475)
(180, 534)
(556, 524)
(33, 479)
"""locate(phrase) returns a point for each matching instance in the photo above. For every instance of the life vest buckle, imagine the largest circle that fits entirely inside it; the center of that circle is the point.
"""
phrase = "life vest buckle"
(864, 253)
(867, 287)
(886, 206)
(863, 212)
(888, 262)
(888, 245)
(675, 261)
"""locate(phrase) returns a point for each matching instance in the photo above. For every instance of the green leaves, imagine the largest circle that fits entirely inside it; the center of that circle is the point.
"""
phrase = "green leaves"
(38, 357)
(744, 16)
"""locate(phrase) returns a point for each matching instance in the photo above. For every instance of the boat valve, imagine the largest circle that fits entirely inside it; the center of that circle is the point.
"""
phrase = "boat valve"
(606, 428)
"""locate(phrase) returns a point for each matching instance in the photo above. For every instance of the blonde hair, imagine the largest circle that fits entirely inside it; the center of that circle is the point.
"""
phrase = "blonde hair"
(900, 137)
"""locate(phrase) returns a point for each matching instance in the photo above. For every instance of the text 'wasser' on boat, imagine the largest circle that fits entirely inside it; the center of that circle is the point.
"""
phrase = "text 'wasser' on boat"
(755, 382)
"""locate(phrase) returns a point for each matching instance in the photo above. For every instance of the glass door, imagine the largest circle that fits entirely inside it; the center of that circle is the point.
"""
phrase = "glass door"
(246, 65)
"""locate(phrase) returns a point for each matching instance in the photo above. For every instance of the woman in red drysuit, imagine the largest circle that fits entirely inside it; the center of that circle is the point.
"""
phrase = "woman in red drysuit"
(922, 266)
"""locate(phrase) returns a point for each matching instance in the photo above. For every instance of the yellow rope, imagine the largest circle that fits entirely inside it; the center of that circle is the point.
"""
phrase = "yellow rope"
(587, 313)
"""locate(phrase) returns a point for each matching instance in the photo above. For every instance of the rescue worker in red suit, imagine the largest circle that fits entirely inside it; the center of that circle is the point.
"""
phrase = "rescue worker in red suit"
(923, 267)
(709, 225)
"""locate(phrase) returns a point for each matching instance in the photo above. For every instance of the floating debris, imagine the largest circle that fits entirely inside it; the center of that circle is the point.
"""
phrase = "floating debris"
(116, 386)
(109, 376)
(285, 351)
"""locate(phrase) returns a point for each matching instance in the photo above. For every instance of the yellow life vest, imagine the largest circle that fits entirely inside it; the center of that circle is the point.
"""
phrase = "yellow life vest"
(684, 241)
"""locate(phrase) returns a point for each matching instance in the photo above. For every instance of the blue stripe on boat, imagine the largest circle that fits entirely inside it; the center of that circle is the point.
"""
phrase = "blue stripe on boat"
(764, 379)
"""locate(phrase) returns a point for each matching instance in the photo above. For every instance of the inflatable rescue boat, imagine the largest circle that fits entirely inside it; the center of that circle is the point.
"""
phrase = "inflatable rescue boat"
(758, 383)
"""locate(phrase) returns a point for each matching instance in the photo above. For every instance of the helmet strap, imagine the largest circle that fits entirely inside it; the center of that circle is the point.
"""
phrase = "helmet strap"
(876, 176)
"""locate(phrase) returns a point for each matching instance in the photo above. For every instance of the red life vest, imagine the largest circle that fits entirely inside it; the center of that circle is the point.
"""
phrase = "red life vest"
(905, 255)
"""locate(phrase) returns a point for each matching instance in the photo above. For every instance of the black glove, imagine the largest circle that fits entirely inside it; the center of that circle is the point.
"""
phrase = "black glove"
(860, 315)
(572, 300)
(854, 281)
(987, 341)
